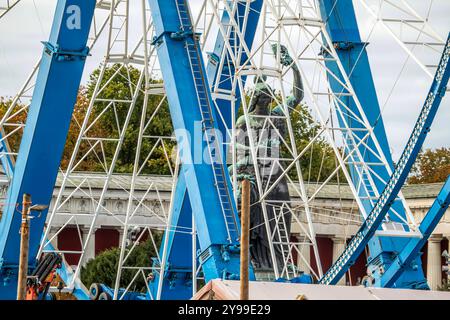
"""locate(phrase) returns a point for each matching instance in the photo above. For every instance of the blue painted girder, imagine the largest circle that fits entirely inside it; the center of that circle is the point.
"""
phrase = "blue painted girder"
(342, 28)
(184, 107)
(45, 132)
(177, 282)
(179, 245)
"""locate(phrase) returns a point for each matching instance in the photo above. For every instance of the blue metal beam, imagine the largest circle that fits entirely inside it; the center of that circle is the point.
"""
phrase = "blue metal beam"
(45, 132)
(179, 247)
(190, 104)
(177, 275)
(342, 27)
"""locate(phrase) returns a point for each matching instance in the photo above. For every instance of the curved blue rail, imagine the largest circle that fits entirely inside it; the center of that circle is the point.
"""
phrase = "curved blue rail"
(398, 178)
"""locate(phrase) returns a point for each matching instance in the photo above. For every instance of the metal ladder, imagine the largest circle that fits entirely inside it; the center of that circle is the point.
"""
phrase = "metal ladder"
(204, 104)
(284, 244)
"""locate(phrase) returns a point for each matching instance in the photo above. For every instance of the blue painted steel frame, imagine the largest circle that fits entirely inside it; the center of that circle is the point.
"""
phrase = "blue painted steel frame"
(343, 29)
(222, 258)
(412, 249)
(177, 279)
(177, 282)
(45, 132)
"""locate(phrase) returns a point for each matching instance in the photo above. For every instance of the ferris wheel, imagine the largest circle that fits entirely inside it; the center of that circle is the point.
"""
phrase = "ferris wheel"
(322, 121)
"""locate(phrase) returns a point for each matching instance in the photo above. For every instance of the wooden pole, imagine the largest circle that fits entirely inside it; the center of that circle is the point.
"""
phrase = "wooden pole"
(245, 230)
(24, 246)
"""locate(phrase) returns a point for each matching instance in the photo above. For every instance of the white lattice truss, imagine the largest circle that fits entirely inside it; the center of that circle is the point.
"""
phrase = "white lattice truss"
(295, 24)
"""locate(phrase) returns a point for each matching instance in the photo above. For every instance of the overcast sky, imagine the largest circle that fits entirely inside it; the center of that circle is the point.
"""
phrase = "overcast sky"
(29, 23)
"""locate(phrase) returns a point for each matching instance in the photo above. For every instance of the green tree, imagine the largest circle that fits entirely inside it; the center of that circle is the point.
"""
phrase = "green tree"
(103, 268)
(16, 116)
(319, 161)
(115, 85)
(431, 166)
(19, 116)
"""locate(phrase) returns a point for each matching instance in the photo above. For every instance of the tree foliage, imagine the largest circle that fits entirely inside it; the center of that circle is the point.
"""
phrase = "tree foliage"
(79, 113)
(431, 166)
(319, 161)
(16, 116)
(103, 268)
(115, 85)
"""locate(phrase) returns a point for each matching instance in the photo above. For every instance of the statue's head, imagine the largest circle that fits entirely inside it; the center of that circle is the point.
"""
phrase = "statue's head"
(262, 96)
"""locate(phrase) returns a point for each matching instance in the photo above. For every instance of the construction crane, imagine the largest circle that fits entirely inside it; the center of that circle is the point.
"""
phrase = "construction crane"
(38, 284)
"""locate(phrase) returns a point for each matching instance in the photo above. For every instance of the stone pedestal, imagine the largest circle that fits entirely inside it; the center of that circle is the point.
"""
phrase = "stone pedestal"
(338, 247)
(434, 265)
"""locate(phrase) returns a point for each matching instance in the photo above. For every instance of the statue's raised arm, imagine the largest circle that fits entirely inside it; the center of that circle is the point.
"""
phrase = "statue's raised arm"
(287, 61)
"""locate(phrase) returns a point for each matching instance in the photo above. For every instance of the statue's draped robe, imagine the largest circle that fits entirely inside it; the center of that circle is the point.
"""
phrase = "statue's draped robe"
(269, 147)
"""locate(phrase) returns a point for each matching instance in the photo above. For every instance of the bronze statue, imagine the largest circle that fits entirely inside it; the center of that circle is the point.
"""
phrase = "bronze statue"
(268, 143)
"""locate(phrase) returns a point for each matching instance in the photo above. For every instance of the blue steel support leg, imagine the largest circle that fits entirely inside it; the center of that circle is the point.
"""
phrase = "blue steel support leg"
(190, 105)
(181, 248)
(177, 275)
(343, 29)
(45, 132)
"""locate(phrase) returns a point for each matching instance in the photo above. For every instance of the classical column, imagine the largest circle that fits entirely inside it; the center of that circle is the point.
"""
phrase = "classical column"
(434, 265)
(121, 234)
(338, 248)
(90, 247)
(304, 251)
(445, 264)
(52, 234)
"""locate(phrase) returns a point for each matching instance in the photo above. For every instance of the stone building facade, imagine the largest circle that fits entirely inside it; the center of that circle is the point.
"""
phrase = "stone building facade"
(335, 218)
